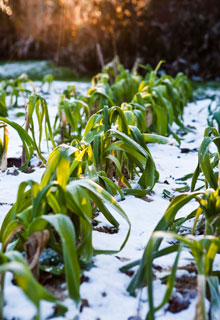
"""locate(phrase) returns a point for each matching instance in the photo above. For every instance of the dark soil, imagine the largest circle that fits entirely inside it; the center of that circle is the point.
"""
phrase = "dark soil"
(16, 162)
(129, 273)
(84, 279)
(54, 285)
(185, 291)
(178, 303)
(109, 230)
(186, 282)
(158, 268)
(187, 150)
(190, 268)
(84, 304)
(147, 199)
(95, 222)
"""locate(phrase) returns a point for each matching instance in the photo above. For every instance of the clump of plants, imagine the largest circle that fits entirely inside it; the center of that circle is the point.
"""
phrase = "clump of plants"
(201, 240)
(56, 214)
(15, 88)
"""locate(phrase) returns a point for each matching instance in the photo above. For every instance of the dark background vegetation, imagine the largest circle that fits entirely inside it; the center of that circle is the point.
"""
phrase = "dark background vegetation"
(184, 33)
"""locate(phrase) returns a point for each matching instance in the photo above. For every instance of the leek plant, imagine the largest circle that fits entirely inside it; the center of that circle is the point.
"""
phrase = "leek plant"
(47, 83)
(208, 162)
(164, 99)
(203, 250)
(73, 114)
(62, 207)
(37, 105)
(15, 88)
(114, 84)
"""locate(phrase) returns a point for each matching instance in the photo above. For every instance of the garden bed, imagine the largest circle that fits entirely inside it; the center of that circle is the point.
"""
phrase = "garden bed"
(103, 288)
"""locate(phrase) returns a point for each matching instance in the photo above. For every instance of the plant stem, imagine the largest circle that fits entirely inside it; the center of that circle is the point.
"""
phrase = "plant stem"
(24, 157)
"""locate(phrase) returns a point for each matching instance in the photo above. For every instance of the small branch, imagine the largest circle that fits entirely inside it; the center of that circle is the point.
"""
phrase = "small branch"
(100, 55)
(136, 64)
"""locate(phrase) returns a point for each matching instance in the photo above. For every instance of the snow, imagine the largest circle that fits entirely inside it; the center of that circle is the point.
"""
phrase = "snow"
(106, 289)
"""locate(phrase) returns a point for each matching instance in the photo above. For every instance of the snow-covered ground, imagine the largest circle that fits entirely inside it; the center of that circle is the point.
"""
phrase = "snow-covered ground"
(106, 287)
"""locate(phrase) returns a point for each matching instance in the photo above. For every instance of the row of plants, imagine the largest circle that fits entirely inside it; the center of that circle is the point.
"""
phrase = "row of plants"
(201, 240)
(155, 103)
(22, 87)
(103, 153)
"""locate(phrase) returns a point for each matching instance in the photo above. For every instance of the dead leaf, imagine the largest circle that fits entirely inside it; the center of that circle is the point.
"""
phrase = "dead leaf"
(121, 184)
(149, 117)
(33, 248)
(4, 161)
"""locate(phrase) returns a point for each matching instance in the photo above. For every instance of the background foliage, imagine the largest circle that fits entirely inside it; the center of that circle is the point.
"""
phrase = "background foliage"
(183, 33)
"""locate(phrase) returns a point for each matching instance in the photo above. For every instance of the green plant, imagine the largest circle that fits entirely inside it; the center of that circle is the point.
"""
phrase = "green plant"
(119, 148)
(114, 85)
(164, 99)
(39, 105)
(47, 81)
(207, 161)
(203, 250)
(62, 207)
(69, 92)
(73, 115)
(36, 104)
(15, 88)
